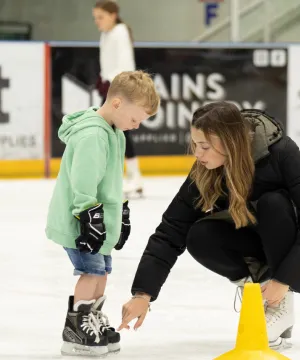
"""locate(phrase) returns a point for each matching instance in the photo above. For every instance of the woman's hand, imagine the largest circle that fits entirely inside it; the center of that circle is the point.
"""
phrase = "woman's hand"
(274, 292)
(137, 307)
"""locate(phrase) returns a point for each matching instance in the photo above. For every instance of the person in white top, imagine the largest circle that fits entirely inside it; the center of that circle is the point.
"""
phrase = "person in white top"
(117, 55)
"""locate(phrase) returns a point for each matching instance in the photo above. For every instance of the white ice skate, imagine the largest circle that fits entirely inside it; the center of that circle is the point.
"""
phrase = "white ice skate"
(258, 271)
(240, 286)
(133, 187)
(240, 290)
(280, 322)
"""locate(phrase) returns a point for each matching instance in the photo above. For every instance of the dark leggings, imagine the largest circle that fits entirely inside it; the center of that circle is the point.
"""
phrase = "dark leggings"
(221, 248)
(129, 151)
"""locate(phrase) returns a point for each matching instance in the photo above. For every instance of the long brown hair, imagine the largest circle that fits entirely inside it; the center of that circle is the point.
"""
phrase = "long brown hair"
(112, 7)
(224, 120)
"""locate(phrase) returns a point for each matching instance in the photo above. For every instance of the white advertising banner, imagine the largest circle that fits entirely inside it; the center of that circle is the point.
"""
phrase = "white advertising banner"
(293, 123)
(22, 100)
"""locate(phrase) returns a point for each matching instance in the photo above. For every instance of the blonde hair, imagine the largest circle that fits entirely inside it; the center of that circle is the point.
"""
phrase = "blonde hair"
(138, 88)
(226, 121)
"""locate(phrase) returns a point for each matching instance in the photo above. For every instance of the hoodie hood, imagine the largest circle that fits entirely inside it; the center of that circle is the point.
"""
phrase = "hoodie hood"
(266, 132)
(77, 121)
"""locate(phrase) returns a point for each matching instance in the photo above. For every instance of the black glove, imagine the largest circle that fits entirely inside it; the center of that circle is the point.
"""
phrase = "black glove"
(93, 232)
(126, 227)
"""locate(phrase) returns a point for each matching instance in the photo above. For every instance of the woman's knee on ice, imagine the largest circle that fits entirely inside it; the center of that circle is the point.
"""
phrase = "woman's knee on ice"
(276, 226)
(275, 203)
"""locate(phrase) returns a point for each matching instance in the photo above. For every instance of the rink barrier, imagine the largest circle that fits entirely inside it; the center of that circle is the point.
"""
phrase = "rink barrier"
(279, 61)
(150, 165)
(27, 169)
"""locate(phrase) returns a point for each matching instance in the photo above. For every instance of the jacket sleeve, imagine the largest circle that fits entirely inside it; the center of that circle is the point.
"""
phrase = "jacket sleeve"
(168, 242)
(289, 162)
(87, 170)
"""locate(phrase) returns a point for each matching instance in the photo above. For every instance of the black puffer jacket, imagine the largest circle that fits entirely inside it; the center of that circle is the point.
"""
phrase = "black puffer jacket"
(277, 166)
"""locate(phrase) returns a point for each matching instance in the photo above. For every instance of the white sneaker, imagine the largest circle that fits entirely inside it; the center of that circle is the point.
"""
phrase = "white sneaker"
(280, 322)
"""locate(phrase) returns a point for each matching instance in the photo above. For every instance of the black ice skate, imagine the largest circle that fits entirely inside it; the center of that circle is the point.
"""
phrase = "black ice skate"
(113, 336)
(83, 334)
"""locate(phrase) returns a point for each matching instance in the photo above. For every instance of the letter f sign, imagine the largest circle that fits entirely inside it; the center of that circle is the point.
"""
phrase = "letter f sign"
(210, 12)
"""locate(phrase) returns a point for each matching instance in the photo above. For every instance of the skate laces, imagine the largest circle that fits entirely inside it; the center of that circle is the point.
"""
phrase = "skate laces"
(103, 320)
(274, 313)
(239, 291)
(90, 325)
(238, 296)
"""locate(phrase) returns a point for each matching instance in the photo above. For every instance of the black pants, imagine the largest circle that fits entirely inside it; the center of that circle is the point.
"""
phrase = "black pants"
(218, 246)
(129, 151)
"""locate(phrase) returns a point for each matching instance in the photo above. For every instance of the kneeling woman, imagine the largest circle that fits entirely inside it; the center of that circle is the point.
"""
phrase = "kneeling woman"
(236, 214)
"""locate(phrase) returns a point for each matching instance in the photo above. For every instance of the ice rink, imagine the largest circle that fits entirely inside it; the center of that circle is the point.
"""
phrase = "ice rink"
(193, 319)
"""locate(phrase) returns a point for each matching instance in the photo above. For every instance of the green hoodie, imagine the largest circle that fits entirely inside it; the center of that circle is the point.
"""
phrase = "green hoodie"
(91, 172)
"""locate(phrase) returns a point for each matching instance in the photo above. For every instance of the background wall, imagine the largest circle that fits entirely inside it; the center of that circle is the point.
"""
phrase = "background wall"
(151, 20)
(155, 20)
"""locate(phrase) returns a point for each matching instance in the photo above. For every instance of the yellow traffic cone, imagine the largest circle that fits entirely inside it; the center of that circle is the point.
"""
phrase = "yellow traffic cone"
(252, 339)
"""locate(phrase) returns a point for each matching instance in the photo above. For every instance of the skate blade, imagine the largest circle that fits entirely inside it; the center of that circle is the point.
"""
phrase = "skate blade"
(280, 344)
(114, 348)
(71, 349)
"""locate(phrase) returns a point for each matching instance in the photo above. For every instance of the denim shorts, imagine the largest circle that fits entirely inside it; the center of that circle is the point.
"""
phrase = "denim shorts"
(97, 264)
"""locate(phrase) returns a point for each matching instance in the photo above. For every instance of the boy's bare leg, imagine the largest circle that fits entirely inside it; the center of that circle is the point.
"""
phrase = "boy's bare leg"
(86, 287)
(100, 288)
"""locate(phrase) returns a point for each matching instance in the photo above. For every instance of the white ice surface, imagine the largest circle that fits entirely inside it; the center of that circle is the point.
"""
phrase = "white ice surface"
(193, 319)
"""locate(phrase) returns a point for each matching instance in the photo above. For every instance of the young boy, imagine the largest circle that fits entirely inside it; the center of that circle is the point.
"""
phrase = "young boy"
(86, 213)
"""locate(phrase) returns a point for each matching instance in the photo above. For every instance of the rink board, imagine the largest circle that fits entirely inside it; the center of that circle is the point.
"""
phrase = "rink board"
(151, 165)
(24, 109)
(185, 78)
(10, 169)
(52, 80)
